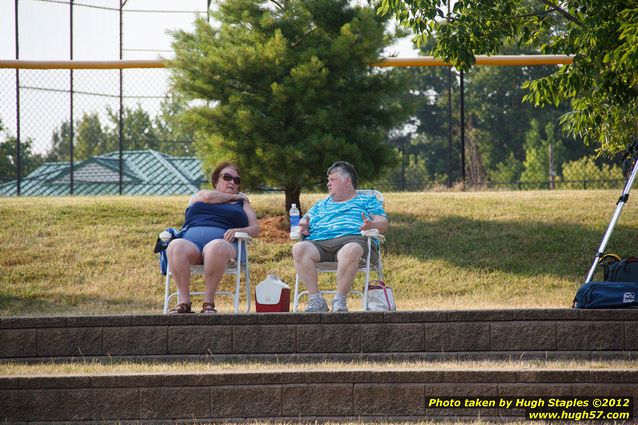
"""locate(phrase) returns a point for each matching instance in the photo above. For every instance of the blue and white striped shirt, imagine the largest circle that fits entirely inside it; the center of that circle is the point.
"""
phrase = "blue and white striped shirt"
(330, 219)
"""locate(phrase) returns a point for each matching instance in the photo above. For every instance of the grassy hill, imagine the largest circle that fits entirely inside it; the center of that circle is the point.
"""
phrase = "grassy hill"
(444, 251)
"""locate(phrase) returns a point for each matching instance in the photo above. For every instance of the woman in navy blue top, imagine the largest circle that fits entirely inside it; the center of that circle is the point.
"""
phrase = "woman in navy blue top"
(212, 219)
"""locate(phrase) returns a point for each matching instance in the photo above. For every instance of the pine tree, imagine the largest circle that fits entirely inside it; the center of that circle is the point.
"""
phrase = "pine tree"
(285, 88)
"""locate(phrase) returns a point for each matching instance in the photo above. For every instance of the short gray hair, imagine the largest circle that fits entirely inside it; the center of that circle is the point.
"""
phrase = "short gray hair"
(347, 169)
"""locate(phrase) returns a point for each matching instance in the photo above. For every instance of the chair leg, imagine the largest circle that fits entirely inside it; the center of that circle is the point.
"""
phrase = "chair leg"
(247, 276)
(167, 286)
(295, 304)
(380, 271)
(243, 252)
(380, 265)
(238, 278)
(367, 282)
(237, 290)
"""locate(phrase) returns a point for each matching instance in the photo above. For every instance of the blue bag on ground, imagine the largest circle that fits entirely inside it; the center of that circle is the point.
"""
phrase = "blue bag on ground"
(607, 295)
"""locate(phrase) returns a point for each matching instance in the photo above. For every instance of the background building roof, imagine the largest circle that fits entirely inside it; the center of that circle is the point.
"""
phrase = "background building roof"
(144, 172)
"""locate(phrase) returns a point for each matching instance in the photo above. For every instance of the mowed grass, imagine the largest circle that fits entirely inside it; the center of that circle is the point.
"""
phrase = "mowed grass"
(446, 250)
(117, 367)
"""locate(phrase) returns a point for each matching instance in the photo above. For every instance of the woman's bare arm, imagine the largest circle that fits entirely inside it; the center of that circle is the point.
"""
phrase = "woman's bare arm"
(216, 197)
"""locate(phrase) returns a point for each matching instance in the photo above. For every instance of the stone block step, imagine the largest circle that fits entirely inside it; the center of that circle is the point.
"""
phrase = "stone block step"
(393, 395)
(422, 335)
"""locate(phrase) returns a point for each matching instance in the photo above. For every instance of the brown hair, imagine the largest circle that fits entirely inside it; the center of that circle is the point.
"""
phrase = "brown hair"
(218, 170)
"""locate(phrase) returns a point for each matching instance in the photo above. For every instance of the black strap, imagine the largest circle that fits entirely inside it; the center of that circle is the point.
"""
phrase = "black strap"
(623, 198)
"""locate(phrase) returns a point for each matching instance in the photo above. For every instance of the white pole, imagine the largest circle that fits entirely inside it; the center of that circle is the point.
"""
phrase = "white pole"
(620, 204)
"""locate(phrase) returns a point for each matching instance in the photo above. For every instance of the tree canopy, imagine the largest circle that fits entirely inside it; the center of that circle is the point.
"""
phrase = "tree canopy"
(29, 160)
(601, 85)
(139, 131)
(285, 88)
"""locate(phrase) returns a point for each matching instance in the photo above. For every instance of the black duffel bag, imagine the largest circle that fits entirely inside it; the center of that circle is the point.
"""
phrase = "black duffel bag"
(617, 270)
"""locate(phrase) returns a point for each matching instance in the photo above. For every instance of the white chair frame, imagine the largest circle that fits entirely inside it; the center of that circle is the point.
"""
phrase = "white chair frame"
(331, 267)
(233, 268)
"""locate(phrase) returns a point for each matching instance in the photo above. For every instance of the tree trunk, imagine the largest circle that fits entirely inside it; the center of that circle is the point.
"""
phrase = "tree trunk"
(292, 197)
(476, 174)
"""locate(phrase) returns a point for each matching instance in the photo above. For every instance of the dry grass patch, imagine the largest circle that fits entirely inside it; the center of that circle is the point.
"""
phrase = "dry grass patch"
(452, 250)
(289, 365)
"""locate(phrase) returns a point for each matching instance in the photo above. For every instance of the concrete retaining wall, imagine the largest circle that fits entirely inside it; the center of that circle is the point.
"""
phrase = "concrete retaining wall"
(400, 394)
(430, 335)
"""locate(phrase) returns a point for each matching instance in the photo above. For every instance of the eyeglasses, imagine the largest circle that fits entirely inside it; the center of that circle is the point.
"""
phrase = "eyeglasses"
(227, 177)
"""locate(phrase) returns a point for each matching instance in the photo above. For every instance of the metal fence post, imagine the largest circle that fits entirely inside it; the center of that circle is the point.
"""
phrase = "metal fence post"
(449, 126)
(552, 172)
(18, 153)
(462, 88)
(71, 118)
(121, 116)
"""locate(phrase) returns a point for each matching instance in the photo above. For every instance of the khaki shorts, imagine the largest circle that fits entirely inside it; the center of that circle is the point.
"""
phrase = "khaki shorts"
(329, 248)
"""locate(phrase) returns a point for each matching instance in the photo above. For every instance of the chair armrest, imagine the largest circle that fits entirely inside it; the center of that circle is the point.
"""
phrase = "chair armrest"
(374, 234)
(243, 236)
(166, 236)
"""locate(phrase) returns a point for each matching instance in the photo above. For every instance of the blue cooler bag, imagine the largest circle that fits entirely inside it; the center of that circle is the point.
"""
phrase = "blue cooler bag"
(607, 295)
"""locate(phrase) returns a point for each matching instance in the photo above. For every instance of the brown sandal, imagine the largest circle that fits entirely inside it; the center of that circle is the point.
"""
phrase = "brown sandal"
(208, 308)
(181, 308)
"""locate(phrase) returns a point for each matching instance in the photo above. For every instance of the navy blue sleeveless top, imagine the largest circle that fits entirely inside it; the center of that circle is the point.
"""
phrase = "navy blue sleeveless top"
(224, 216)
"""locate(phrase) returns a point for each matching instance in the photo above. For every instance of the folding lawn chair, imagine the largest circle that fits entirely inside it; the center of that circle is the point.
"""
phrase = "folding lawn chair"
(365, 265)
(234, 267)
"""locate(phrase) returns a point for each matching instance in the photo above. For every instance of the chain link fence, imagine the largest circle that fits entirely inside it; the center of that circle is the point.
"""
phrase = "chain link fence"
(92, 131)
(115, 131)
(132, 144)
(474, 130)
(93, 139)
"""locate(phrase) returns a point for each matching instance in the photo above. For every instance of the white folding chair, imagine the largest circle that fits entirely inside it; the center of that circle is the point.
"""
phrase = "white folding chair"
(235, 267)
(365, 265)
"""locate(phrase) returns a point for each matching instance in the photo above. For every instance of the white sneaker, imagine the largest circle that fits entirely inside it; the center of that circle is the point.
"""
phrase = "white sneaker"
(339, 305)
(316, 305)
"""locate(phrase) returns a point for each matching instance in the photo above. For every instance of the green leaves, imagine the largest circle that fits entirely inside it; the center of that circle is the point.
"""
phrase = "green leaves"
(602, 83)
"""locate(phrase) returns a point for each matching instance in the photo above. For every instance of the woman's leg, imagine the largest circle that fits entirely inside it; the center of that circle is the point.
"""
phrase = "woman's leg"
(181, 254)
(217, 253)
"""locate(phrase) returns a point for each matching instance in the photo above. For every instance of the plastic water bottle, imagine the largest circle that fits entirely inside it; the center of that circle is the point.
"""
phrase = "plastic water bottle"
(295, 230)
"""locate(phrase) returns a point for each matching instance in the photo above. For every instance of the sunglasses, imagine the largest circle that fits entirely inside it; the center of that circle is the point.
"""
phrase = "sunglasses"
(227, 177)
